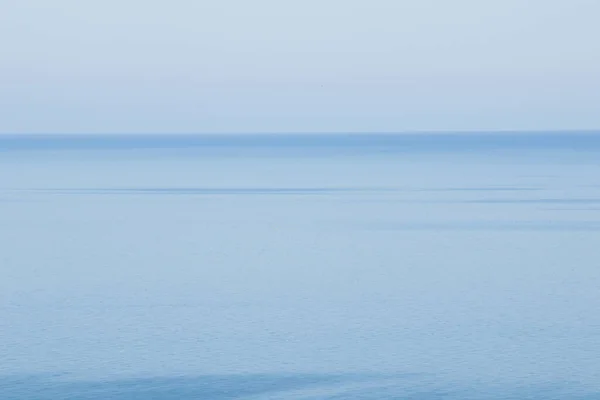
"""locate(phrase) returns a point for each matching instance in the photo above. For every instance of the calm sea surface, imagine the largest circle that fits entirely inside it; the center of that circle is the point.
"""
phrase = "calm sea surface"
(455, 266)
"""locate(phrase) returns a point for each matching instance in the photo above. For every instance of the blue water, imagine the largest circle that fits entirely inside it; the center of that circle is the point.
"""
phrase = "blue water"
(454, 266)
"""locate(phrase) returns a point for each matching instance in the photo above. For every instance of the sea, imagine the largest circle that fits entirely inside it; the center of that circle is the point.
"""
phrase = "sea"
(300, 266)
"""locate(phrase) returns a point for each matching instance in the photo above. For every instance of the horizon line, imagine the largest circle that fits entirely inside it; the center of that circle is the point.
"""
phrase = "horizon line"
(284, 133)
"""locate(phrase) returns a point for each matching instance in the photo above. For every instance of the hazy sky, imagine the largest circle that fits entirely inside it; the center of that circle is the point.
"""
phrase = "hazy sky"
(287, 65)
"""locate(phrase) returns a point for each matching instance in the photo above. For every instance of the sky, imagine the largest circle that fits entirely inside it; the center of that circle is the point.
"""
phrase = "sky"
(194, 66)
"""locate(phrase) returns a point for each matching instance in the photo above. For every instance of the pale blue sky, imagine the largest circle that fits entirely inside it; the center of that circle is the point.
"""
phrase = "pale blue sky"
(310, 65)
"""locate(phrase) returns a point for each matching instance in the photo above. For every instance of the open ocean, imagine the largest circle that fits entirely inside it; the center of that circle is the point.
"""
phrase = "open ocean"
(416, 266)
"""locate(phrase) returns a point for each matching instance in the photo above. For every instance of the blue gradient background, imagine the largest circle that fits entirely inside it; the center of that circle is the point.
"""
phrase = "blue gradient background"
(189, 66)
(300, 267)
